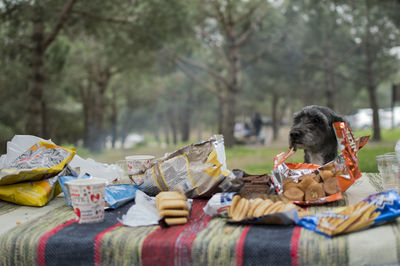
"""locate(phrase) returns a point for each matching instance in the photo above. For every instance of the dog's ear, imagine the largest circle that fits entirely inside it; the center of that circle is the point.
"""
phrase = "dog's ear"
(336, 118)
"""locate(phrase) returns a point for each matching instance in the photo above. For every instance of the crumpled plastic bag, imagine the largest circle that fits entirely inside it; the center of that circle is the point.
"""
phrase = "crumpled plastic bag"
(144, 212)
(42, 160)
(109, 172)
(196, 170)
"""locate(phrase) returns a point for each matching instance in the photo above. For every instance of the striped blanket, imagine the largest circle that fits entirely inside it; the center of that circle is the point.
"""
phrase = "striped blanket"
(49, 236)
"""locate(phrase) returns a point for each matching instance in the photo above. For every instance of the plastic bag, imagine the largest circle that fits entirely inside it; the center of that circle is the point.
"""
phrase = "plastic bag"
(376, 209)
(40, 161)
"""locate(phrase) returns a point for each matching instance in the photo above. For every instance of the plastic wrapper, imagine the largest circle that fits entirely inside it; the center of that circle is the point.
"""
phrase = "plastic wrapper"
(40, 161)
(117, 195)
(37, 193)
(280, 218)
(114, 197)
(344, 168)
(195, 170)
(376, 209)
(219, 204)
(144, 212)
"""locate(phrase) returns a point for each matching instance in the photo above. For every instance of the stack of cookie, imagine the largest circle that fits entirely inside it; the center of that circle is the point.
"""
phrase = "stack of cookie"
(172, 207)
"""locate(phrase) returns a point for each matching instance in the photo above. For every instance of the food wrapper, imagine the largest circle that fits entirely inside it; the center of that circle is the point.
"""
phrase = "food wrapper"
(280, 218)
(195, 170)
(114, 196)
(37, 193)
(376, 209)
(219, 204)
(344, 168)
(40, 161)
(117, 195)
(144, 212)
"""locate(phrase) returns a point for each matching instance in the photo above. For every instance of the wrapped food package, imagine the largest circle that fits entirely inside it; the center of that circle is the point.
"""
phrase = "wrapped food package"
(376, 209)
(311, 184)
(40, 161)
(36, 193)
(195, 170)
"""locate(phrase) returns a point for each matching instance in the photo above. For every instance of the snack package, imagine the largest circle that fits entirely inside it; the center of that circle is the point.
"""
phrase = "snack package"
(195, 170)
(376, 209)
(37, 193)
(218, 204)
(114, 197)
(310, 184)
(40, 161)
(117, 195)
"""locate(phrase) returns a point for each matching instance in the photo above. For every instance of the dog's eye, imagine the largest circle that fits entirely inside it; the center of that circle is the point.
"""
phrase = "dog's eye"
(316, 120)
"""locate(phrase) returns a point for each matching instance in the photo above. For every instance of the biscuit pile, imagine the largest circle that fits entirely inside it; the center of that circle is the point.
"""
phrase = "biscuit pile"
(242, 208)
(172, 206)
(312, 186)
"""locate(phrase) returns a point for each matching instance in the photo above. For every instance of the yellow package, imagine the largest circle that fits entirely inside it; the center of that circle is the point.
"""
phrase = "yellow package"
(36, 193)
(40, 161)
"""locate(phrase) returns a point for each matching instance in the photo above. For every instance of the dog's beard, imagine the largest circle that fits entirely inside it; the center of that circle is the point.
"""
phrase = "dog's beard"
(308, 141)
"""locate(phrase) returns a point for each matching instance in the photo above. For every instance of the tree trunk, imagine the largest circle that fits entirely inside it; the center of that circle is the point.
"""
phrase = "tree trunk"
(186, 115)
(35, 124)
(232, 91)
(93, 100)
(166, 128)
(329, 81)
(370, 78)
(114, 117)
(229, 121)
(172, 118)
(275, 117)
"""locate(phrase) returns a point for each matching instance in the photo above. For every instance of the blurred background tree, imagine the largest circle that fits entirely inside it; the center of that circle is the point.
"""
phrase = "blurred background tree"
(92, 73)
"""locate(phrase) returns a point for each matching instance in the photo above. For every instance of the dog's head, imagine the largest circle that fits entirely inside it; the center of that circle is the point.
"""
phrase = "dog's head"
(312, 129)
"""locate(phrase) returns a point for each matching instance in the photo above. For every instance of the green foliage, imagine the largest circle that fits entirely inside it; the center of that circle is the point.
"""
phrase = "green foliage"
(306, 47)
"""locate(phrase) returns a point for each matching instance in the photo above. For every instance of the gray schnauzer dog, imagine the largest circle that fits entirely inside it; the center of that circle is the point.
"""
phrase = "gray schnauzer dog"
(312, 131)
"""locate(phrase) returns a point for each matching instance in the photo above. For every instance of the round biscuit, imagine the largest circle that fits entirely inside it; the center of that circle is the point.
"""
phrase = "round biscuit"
(235, 201)
(276, 207)
(245, 209)
(253, 205)
(260, 209)
(237, 209)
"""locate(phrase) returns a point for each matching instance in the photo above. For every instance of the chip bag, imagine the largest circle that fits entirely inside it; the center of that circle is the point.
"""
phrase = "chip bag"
(41, 161)
(376, 209)
(36, 193)
(311, 184)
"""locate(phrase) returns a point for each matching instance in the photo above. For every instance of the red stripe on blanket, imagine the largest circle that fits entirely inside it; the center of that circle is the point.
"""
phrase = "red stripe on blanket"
(240, 246)
(165, 246)
(97, 243)
(43, 240)
(294, 253)
(184, 242)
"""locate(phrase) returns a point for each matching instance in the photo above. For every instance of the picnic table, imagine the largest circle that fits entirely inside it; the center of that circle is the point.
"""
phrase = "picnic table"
(49, 236)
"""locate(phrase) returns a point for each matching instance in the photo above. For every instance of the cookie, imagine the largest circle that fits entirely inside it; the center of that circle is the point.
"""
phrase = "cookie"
(294, 194)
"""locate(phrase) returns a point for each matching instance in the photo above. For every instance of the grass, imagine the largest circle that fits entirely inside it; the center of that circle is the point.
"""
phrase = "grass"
(259, 159)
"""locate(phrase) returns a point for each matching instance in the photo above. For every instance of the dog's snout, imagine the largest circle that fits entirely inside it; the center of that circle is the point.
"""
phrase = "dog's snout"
(295, 134)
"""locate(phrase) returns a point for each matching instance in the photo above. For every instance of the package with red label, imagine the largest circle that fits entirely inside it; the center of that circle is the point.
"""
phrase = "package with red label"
(311, 184)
